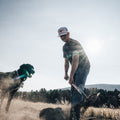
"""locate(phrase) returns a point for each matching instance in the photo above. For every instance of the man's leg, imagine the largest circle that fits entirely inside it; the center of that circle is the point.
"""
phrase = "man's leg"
(77, 98)
(75, 112)
(72, 113)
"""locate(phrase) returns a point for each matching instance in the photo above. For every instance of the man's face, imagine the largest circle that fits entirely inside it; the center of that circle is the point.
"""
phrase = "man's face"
(65, 38)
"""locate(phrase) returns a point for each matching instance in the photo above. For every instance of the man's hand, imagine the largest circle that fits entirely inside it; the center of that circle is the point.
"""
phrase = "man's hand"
(71, 80)
(66, 77)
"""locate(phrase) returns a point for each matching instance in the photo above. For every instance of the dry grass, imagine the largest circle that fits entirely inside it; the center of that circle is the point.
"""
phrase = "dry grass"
(24, 110)
(103, 113)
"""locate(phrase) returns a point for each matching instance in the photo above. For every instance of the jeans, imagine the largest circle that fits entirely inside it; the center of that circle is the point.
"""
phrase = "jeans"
(76, 98)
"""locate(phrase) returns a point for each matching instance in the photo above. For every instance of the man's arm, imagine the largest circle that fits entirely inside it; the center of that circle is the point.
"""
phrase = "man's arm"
(75, 63)
(66, 69)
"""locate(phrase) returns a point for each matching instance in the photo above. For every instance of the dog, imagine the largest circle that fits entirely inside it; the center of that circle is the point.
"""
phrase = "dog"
(10, 82)
(52, 114)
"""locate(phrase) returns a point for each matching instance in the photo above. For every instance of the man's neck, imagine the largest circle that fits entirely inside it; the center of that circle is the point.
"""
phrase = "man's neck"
(68, 40)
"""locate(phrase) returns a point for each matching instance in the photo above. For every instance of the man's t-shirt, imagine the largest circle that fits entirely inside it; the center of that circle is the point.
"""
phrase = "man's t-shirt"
(73, 48)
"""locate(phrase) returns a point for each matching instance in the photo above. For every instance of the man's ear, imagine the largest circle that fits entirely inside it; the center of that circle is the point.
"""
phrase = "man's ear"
(68, 33)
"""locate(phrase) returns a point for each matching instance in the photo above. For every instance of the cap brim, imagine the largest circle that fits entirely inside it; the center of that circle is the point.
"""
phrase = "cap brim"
(62, 34)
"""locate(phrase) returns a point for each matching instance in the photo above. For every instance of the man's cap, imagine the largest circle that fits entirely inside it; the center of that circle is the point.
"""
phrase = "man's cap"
(62, 31)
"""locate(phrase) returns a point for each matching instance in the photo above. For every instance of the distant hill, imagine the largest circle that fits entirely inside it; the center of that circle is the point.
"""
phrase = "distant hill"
(110, 87)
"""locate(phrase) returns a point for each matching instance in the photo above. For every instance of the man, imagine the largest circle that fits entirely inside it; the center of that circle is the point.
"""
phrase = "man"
(75, 55)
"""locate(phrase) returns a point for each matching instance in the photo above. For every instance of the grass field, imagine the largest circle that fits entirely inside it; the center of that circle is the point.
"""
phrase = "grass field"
(103, 113)
(24, 110)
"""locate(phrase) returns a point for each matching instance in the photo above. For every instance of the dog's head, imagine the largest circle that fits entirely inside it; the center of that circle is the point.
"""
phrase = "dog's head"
(26, 70)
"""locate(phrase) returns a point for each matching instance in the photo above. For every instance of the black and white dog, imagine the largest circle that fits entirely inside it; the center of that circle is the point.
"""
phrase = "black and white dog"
(10, 82)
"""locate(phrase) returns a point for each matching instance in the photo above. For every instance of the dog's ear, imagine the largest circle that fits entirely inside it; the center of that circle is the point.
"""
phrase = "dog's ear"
(22, 66)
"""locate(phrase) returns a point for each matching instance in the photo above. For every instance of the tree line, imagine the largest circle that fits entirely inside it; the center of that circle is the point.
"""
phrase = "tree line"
(51, 96)
(106, 98)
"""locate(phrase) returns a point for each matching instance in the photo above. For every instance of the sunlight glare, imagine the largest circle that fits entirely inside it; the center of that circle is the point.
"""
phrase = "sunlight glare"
(94, 47)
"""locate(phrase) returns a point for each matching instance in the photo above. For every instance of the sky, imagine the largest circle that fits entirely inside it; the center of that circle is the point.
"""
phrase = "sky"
(28, 34)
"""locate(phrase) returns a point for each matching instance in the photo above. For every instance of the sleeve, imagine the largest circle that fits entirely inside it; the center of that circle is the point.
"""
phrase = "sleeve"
(76, 49)
(77, 52)
(64, 53)
(67, 53)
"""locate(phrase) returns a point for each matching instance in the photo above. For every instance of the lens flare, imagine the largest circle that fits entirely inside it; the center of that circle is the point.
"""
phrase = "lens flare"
(94, 47)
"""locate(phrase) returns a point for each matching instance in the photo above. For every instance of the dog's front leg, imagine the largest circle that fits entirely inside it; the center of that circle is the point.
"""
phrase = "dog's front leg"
(2, 95)
(11, 94)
